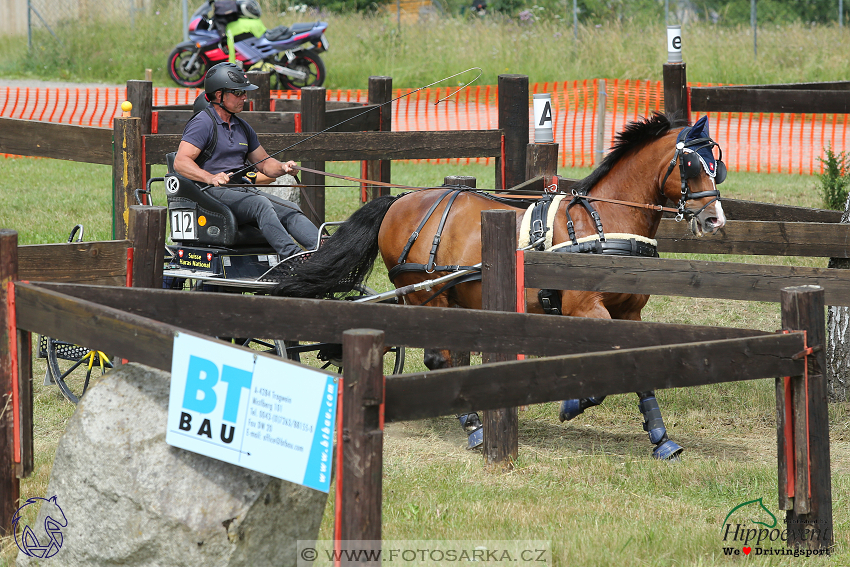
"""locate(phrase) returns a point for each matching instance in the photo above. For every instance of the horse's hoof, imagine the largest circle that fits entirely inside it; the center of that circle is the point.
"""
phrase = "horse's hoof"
(476, 438)
(469, 421)
(570, 409)
(667, 451)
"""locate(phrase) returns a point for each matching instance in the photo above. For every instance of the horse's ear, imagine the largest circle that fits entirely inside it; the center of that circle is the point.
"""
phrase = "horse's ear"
(720, 176)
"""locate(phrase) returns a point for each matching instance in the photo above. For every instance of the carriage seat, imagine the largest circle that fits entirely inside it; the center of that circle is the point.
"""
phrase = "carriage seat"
(215, 222)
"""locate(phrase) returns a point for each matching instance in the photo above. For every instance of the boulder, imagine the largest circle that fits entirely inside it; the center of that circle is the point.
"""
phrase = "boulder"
(282, 187)
(131, 499)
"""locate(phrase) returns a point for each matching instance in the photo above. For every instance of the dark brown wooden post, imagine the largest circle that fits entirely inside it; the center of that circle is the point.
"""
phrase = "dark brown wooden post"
(809, 522)
(262, 96)
(313, 120)
(513, 121)
(541, 159)
(361, 469)
(140, 94)
(147, 230)
(676, 91)
(460, 358)
(498, 293)
(10, 488)
(465, 180)
(127, 172)
(380, 91)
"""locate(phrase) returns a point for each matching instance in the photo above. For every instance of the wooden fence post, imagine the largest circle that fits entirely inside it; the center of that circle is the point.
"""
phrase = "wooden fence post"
(140, 94)
(313, 120)
(359, 475)
(809, 516)
(676, 90)
(380, 91)
(262, 96)
(513, 121)
(498, 293)
(147, 228)
(127, 172)
(10, 488)
(601, 105)
(541, 159)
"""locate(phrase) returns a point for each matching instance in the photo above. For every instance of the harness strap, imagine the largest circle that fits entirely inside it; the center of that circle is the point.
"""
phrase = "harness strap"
(571, 229)
(610, 247)
(539, 214)
(432, 257)
(415, 235)
(590, 210)
(412, 267)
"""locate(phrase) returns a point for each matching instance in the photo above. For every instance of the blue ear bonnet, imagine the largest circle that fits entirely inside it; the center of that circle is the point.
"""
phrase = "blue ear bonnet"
(697, 139)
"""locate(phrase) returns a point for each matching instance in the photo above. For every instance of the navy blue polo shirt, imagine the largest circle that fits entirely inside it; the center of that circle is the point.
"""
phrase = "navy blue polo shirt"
(235, 140)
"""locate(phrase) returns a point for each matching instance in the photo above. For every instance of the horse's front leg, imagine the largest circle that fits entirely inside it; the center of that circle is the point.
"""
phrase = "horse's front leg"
(580, 304)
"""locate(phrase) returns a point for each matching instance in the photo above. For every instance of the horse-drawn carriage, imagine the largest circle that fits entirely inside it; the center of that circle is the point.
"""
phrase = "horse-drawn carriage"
(425, 233)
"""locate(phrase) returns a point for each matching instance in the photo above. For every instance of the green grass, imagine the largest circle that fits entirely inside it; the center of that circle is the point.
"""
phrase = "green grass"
(588, 486)
(418, 54)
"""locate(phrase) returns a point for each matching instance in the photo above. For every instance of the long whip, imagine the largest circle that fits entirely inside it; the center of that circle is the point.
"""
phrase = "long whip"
(248, 167)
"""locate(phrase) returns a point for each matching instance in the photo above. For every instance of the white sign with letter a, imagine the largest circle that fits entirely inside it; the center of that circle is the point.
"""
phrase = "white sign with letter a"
(254, 411)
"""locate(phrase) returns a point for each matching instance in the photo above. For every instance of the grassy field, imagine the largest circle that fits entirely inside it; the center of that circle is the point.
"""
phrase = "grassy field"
(418, 53)
(588, 486)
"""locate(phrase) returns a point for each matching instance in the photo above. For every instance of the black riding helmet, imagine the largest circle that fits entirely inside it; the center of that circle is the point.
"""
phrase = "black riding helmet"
(200, 104)
(226, 76)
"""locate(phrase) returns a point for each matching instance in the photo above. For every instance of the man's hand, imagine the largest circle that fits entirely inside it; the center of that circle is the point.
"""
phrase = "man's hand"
(220, 179)
(289, 166)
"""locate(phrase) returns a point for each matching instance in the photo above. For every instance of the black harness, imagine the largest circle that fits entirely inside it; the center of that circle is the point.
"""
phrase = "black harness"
(690, 167)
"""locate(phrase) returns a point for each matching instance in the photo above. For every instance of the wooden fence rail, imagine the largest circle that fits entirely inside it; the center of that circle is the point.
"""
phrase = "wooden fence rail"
(688, 278)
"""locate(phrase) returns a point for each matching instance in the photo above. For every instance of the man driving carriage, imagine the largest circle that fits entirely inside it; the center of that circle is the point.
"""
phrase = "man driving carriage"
(217, 143)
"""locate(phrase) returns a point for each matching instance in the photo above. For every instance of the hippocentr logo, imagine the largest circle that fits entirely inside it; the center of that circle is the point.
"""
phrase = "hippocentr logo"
(745, 534)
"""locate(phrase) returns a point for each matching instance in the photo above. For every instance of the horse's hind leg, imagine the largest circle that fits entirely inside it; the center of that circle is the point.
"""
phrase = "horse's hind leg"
(572, 408)
(653, 424)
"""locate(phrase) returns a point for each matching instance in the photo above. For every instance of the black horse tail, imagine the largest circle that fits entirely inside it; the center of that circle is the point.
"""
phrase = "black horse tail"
(344, 260)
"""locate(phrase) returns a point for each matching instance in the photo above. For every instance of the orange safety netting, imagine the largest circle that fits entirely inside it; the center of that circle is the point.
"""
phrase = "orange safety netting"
(755, 142)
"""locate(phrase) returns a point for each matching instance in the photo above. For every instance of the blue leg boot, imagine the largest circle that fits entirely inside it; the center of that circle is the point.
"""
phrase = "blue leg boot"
(665, 449)
(572, 408)
(474, 429)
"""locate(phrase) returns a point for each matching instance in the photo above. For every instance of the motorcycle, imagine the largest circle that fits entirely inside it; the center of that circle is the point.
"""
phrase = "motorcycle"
(282, 51)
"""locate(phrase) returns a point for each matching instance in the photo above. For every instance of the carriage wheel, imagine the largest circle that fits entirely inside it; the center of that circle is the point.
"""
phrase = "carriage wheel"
(329, 355)
(72, 367)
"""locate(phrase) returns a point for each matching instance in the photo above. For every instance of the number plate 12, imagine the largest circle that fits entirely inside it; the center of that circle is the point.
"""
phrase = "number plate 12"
(183, 226)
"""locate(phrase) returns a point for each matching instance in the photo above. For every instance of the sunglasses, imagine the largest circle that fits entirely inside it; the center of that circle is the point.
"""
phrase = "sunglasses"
(237, 92)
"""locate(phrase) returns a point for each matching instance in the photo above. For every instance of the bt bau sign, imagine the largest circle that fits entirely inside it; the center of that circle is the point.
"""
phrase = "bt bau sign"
(253, 411)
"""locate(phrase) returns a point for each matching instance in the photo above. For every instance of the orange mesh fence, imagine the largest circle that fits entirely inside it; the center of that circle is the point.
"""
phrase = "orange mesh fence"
(754, 142)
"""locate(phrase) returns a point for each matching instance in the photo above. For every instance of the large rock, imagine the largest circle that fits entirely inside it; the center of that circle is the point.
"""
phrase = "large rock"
(283, 187)
(130, 499)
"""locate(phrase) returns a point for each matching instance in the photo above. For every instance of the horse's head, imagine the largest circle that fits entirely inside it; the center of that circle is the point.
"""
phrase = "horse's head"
(691, 178)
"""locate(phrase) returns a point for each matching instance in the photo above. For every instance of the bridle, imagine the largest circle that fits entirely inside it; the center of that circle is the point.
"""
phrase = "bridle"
(690, 167)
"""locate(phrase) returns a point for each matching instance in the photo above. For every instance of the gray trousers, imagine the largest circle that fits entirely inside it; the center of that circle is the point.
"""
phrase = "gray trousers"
(279, 224)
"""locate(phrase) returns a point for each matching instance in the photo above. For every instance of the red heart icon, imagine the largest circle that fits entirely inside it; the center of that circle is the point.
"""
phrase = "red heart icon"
(747, 550)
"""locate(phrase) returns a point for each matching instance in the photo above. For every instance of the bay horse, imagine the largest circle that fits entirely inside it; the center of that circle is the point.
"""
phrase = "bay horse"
(652, 160)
